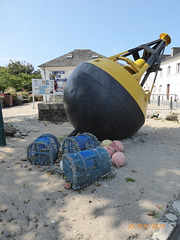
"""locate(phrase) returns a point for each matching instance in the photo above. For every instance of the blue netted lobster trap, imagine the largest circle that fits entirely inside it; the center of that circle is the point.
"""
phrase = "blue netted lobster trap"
(43, 150)
(79, 143)
(85, 167)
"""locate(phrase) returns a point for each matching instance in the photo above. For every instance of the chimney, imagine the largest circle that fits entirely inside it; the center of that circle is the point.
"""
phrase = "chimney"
(174, 51)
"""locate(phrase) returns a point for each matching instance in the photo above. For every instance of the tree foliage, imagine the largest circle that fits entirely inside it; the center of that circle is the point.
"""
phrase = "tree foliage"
(18, 75)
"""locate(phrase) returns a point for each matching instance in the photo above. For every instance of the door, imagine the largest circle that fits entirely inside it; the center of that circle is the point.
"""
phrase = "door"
(168, 91)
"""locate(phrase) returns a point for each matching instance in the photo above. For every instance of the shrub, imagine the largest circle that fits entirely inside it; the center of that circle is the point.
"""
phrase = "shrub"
(12, 91)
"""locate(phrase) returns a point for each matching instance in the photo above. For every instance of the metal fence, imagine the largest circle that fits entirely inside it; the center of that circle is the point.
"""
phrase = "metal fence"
(163, 102)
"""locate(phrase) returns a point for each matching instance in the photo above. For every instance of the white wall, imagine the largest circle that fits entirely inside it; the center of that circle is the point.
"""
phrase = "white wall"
(49, 70)
(164, 78)
(62, 74)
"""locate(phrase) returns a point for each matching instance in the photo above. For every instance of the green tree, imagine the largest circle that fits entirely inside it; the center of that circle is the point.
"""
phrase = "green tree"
(18, 75)
(5, 79)
(17, 67)
(52, 76)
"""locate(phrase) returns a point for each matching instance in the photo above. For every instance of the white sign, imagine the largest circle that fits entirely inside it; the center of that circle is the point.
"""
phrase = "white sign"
(42, 86)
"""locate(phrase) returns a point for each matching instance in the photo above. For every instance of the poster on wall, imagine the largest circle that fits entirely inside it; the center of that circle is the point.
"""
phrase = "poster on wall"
(42, 87)
(60, 79)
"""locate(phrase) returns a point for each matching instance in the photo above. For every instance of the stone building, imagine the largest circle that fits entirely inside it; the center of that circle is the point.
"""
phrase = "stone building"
(60, 68)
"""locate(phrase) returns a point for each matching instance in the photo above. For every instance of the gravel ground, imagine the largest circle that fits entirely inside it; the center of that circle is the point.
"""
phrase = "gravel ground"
(35, 205)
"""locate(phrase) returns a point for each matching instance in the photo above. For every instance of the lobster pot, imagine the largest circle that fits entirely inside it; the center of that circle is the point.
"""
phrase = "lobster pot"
(85, 167)
(79, 143)
(43, 150)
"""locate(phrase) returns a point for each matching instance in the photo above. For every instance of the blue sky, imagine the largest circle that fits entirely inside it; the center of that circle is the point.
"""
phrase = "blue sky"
(37, 31)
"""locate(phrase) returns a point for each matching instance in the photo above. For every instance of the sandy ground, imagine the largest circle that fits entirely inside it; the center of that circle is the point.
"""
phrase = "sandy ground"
(35, 204)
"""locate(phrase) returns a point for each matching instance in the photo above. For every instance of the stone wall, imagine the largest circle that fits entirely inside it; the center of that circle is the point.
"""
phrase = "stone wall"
(53, 112)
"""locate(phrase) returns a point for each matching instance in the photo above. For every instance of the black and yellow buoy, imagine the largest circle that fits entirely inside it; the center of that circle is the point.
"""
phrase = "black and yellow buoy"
(107, 99)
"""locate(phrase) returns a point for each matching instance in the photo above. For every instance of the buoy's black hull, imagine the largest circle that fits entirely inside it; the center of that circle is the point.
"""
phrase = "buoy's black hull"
(95, 102)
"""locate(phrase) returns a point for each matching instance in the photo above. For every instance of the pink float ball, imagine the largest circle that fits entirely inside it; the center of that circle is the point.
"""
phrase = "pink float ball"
(118, 159)
(117, 146)
(109, 149)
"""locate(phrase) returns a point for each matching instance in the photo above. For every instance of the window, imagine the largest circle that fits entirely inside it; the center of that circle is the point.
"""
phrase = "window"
(95, 56)
(160, 88)
(69, 56)
(178, 68)
(168, 70)
(161, 73)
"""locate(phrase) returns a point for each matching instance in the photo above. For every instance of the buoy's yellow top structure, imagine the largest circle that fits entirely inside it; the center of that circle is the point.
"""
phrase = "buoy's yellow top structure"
(108, 99)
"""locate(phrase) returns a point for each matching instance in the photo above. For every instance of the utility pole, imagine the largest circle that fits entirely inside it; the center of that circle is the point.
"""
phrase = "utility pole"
(2, 134)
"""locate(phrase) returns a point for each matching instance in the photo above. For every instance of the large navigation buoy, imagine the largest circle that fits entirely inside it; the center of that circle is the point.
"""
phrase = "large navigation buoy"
(107, 99)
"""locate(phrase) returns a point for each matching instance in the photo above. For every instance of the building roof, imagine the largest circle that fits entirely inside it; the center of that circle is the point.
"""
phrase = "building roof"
(72, 59)
(175, 52)
(171, 57)
(165, 56)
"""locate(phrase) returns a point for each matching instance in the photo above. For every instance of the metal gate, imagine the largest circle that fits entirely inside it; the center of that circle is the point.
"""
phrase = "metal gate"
(163, 102)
